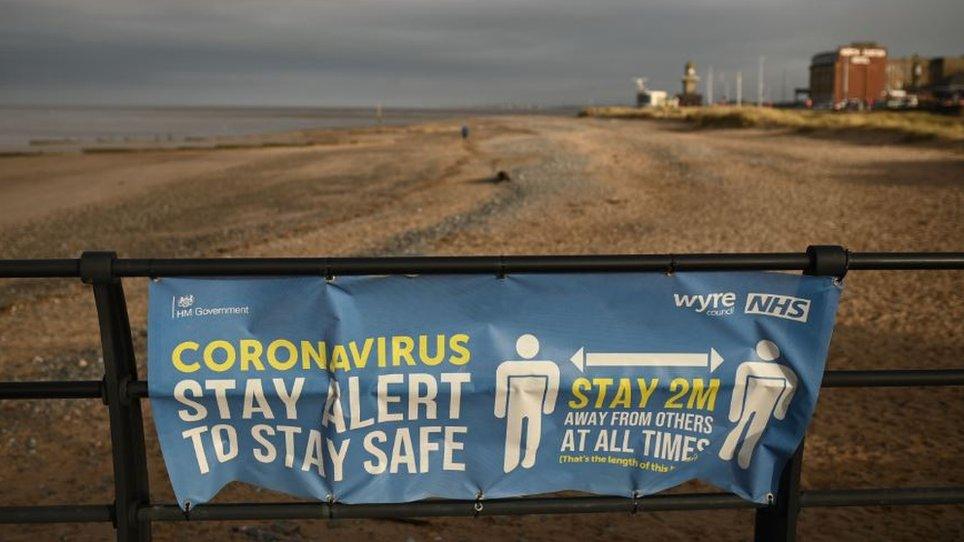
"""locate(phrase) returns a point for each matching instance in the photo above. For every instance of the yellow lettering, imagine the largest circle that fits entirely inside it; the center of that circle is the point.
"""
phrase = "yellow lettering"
(380, 348)
(230, 355)
(644, 392)
(624, 394)
(179, 351)
(703, 400)
(458, 343)
(273, 354)
(439, 350)
(339, 358)
(603, 385)
(683, 386)
(578, 385)
(402, 347)
(311, 353)
(361, 358)
(251, 354)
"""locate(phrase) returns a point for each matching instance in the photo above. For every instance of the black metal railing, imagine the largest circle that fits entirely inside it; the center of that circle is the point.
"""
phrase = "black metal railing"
(132, 511)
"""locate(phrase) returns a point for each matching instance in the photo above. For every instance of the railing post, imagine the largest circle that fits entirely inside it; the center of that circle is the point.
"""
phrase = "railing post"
(131, 488)
(779, 520)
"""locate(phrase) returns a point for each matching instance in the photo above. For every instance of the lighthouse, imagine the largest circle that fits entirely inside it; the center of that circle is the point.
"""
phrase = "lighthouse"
(690, 95)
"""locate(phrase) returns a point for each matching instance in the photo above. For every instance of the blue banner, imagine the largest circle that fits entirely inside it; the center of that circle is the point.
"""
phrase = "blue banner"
(396, 389)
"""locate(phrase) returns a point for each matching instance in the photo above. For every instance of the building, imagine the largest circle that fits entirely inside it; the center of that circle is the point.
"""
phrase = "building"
(916, 73)
(937, 82)
(651, 98)
(647, 97)
(908, 73)
(945, 68)
(855, 73)
(947, 84)
(690, 95)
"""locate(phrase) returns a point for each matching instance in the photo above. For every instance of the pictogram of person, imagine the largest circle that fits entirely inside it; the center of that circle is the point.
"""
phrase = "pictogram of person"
(524, 390)
(761, 389)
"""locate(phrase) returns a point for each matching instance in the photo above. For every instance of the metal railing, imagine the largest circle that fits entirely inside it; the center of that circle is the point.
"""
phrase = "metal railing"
(132, 511)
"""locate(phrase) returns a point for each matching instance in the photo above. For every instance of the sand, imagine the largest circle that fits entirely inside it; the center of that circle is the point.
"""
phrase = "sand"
(578, 186)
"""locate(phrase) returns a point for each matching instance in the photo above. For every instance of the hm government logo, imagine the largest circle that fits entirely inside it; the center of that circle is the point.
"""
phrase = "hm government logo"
(183, 306)
(714, 304)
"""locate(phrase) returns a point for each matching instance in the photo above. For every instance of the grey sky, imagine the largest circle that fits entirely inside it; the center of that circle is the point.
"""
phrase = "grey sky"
(426, 53)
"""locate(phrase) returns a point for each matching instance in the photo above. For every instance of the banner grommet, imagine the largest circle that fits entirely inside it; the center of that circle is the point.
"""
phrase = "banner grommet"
(478, 503)
(330, 501)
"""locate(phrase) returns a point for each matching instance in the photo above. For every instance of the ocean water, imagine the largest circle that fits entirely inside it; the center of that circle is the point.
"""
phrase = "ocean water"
(34, 128)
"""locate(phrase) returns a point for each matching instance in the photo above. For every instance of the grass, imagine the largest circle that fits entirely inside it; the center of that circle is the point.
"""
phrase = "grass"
(911, 125)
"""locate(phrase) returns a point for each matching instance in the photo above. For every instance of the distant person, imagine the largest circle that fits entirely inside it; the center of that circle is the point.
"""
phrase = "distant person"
(465, 132)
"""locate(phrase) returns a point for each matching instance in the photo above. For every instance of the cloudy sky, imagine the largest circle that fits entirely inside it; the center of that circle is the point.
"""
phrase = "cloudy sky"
(431, 52)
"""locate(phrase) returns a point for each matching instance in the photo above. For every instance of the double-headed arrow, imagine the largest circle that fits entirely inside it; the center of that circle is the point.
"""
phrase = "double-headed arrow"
(582, 359)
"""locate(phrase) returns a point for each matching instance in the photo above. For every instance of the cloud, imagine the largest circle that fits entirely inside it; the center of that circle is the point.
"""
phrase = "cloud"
(421, 52)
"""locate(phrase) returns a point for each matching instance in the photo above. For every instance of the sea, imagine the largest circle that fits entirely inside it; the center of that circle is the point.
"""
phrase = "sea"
(40, 127)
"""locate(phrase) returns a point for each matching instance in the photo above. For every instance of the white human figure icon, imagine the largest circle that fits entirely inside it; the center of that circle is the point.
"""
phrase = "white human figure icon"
(761, 389)
(524, 390)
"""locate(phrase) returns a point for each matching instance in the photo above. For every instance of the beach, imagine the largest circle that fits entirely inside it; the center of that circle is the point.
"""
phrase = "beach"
(577, 186)
(59, 129)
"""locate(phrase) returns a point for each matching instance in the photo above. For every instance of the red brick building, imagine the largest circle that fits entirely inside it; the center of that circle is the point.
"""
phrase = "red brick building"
(855, 72)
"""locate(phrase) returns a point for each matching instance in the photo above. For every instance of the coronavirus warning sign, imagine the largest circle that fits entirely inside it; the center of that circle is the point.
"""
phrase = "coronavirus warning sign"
(396, 389)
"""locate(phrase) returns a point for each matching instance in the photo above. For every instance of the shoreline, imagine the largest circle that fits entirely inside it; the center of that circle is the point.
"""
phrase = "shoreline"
(946, 132)
(269, 139)
(33, 130)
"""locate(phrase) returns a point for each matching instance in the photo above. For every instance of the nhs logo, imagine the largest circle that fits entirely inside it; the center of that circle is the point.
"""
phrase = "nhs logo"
(781, 306)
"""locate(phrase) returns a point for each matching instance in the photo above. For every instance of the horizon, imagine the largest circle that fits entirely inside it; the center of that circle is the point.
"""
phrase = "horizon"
(318, 107)
(425, 55)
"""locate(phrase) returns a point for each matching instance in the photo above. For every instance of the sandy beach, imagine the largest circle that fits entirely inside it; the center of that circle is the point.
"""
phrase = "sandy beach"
(578, 186)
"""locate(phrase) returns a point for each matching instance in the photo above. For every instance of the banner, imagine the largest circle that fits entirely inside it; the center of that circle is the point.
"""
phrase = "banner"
(394, 389)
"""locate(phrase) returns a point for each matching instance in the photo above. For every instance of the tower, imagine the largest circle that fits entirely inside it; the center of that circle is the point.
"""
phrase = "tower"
(690, 79)
(690, 95)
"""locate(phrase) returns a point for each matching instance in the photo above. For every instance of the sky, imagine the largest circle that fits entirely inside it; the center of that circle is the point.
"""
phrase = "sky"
(432, 53)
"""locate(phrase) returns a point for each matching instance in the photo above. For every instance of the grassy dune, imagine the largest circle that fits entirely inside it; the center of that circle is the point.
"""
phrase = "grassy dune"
(912, 125)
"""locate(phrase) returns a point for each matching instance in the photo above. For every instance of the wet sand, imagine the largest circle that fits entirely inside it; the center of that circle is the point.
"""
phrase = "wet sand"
(578, 186)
